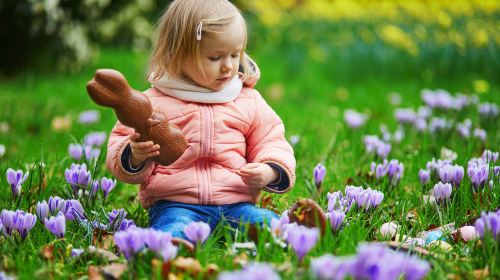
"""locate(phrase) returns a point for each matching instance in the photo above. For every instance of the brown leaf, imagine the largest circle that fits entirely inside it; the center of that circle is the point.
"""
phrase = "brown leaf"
(48, 252)
(93, 273)
(266, 201)
(107, 255)
(308, 213)
(190, 265)
(102, 239)
(212, 269)
(114, 270)
(164, 266)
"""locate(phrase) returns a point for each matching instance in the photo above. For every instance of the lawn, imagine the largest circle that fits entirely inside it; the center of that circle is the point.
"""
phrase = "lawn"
(39, 118)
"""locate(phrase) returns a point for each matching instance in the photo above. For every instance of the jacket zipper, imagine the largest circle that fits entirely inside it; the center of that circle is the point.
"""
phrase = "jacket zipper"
(204, 153)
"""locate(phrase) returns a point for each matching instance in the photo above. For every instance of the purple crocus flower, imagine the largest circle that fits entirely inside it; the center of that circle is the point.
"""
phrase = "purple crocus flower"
(480, 134)
(78, 176)
(294, 140)
(75, 151)
(335, 201)
(374, 144)
(319, 173)
(354, 119)
(458, 175)
(496, 170)
(488, 110)
(489, 223)
(489, 156)
(16, 179)
(107, 185)
(302, 239)
(126, 224)
(369, 198)
(8, 221)
(73, 209)
(405, 115)
(2, 150)
(478, 174)
(336, 218)
(464, 128)
(156, 240)
(442, 192)
(56, 225)
(117, 214)
(94, 188)
(395, 171)
(42, 210)
(197, 232)
(168, 251)
(130, 242)
(278, 227)
(55, 204)
(424, 176)
(24, 223)
(1, 225)
(95, 139)
(88, 117)
(91, 153)
(76, 252)
(329, 267)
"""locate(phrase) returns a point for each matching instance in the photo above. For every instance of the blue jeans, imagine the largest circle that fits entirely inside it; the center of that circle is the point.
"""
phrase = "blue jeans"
(173, 216)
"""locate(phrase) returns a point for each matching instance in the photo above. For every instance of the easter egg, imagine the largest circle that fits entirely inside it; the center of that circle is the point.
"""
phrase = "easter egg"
(440, 244)
(468, 233)
(389, 230)
(433, 236)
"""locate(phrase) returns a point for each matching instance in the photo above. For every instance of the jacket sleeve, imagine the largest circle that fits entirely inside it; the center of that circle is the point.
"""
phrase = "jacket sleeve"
(118, 142)
(266, 143)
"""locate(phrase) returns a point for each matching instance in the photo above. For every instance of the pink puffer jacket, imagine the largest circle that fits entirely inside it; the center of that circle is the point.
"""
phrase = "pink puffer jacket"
(221, 138)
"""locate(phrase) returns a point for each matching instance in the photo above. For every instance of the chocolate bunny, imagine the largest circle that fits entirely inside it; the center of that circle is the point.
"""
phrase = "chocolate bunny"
(109, 88)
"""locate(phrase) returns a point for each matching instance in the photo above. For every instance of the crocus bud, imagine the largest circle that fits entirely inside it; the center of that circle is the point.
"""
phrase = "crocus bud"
(424, 176)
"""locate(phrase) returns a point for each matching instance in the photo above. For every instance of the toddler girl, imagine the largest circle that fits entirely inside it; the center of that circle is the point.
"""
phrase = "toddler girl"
(202, 81)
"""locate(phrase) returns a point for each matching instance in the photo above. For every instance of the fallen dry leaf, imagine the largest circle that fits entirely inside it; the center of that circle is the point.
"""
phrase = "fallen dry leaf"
(102, 239)
(308, 213)
(107, 255)
(114, 270)
(266, 201)
(189, 265)
(48, 252)
(93, 273)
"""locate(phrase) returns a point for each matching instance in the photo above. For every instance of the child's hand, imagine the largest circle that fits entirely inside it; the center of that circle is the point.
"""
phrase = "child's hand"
(141, 151)
(257, 175)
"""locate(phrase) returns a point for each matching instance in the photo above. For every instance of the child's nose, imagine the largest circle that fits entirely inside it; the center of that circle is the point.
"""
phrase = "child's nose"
(227, 65)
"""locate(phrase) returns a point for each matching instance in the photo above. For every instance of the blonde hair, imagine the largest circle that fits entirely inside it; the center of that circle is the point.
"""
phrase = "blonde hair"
(176, 41)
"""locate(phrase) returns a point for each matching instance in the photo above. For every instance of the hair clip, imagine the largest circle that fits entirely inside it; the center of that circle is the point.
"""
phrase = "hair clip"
(198, 31)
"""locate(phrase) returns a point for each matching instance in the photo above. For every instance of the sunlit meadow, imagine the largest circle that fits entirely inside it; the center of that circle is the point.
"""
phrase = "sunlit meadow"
(393, 112)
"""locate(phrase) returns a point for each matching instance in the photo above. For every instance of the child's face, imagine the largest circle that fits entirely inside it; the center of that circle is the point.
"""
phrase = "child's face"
(220, 57)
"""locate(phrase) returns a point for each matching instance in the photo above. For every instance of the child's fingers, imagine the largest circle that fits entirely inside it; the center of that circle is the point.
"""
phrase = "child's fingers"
(134, 136)
(143, 145)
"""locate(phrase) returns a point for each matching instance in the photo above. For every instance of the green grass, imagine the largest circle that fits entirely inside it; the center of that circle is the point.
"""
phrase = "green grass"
(311, 104)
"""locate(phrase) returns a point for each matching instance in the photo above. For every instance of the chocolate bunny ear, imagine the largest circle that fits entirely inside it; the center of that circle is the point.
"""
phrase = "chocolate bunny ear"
(109, 88)
(105, 87)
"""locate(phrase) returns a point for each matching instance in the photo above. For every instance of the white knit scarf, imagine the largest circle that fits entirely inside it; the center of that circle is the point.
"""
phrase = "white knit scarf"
(187, 91)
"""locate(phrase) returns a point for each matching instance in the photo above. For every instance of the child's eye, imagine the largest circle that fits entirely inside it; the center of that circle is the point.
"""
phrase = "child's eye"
(214, 58)
(235, 55)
